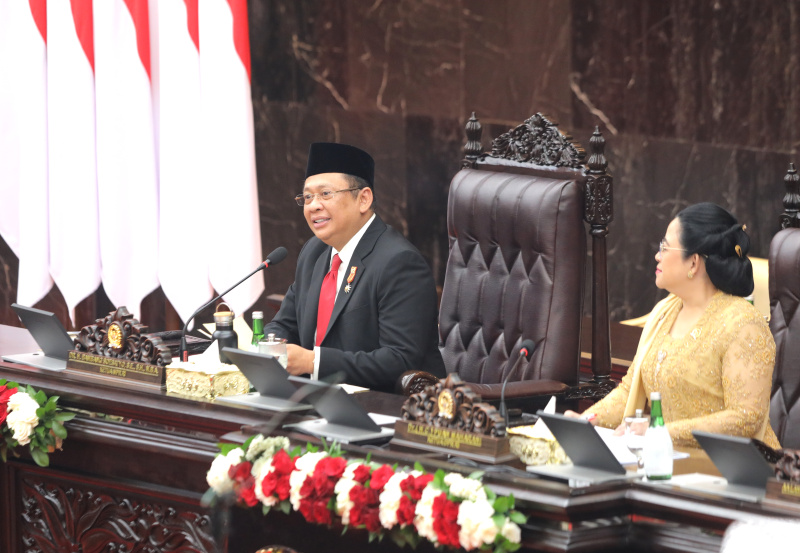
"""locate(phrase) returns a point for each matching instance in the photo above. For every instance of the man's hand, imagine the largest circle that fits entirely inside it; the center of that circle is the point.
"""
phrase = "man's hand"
(299, 360)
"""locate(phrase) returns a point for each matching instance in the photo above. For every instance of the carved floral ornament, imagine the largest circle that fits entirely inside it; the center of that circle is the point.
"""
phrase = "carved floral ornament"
(538, 141)
(120, 336)
(452, 404)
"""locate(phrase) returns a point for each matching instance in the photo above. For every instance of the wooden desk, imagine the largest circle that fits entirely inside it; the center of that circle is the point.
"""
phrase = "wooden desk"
(133, 471)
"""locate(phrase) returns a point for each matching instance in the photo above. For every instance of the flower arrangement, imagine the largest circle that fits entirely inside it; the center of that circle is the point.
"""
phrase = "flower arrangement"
(408, 505)
(28, 417)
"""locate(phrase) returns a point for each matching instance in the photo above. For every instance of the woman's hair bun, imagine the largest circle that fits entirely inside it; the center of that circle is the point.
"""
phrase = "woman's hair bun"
(713, 232)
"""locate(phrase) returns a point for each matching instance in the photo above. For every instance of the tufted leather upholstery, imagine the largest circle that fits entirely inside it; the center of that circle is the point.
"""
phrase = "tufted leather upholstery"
(515, 271)
(784, 294)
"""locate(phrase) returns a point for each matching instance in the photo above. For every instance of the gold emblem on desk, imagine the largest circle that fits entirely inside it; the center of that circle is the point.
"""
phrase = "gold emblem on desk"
(118, 350)
(115, 336)
(448, 417)
(446, 404)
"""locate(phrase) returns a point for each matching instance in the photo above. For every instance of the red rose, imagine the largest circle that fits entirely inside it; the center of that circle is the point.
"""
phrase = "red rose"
(373, 521)
(323, 485)
(282, 488)
(445, 514)
(380, 477)
(306, 509)
(361, 474)
(269, 483)
(322, 515)
(413, 486)
(5, 395)
(247, 493)
(283, 463)
(331, 466)
(308, 487)
(240, 471)
(405, 512)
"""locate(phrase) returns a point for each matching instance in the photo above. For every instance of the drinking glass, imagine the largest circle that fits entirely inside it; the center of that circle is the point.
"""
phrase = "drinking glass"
(276, 348)
(635, 429)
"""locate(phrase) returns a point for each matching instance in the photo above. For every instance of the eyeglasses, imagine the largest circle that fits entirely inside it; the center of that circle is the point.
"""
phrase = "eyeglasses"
(325, 195)
(663, 246)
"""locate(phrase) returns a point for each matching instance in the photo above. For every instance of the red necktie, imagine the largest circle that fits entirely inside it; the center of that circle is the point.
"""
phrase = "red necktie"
(327, 297)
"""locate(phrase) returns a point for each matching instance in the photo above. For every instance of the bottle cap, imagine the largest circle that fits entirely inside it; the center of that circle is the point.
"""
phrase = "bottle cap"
(655, 396)
(258, 314)
(224, 317)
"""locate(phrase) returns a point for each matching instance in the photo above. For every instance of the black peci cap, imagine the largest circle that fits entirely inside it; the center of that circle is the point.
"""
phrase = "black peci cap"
(330, 157)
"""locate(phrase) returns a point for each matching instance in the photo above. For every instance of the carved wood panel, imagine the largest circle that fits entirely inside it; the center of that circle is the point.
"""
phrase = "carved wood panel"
(60, 517)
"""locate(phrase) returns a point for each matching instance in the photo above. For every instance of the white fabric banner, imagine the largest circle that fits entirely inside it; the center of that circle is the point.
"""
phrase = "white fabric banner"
(74, 241)
(229, 177)
(23, 165)
(186, 214)
(127, 182)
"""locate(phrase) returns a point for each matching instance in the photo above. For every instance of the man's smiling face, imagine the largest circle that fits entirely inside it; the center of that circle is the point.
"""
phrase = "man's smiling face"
(337, 220)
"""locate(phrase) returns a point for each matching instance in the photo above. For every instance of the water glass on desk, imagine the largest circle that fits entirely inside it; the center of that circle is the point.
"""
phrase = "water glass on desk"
(274, 347)
(635, 429)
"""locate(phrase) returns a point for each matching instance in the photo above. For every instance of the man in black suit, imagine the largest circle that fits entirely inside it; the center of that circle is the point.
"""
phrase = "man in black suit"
(364, 300)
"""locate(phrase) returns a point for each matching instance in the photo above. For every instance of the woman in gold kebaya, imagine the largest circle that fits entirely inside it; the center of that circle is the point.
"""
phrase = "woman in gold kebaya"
(705, 348)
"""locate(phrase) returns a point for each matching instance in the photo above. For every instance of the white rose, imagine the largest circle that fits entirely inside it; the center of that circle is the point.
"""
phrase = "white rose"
(467, 488)
(343, 503)
(304, 466)
(20, 428)
(390, 500)
(477, 526)
(217, 476)
(22, 419)
(423, 514)
(510, 531)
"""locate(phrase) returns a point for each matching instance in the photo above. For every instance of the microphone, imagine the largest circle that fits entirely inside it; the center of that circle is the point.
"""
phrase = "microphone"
(277, 255)
(526, 349)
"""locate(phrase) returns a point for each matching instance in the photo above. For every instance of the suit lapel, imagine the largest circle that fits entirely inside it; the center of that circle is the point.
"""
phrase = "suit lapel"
(358, 260)
(309, 320)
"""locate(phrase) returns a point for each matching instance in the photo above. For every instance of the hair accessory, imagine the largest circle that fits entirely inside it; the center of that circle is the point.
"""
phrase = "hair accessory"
(690, 275)
(744, 227)
(738, 249)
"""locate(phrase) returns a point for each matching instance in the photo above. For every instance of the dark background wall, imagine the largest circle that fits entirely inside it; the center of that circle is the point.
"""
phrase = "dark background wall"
(697, 100)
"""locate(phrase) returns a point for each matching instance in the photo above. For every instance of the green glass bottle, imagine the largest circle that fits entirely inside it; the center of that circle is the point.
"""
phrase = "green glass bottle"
(258, 329)
(657, 444)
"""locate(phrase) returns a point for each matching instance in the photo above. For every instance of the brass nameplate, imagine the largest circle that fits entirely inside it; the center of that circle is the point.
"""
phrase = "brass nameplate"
(487, 449)
(121, 372)
(783, 490)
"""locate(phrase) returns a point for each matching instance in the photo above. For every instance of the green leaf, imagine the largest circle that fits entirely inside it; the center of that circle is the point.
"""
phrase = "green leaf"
(265, 510)
(40, 430)
(4, 453)
(3, 381)
(59, 430)
(227, 448)
(371, 537)
(40, 457)
(40, 397)
(517, 517)
(511, 547)
(501, 504)
(498, 520)
(40, 413)
(477, 475)
(438, 480)
(296, 452)
(64, 416)
(418, 466)
(286, 507)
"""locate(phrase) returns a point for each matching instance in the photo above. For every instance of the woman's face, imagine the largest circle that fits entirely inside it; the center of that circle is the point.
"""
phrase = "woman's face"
(672, 270)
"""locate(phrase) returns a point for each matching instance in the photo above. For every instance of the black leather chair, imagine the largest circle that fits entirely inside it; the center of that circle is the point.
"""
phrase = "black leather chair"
(784, 294)
(517, 264)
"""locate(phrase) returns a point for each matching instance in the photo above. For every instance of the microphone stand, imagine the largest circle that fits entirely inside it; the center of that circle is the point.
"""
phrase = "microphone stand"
(278, 255)
(526, 350)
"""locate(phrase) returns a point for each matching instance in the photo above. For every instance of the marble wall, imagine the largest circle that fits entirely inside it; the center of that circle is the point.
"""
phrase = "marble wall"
(697, 101)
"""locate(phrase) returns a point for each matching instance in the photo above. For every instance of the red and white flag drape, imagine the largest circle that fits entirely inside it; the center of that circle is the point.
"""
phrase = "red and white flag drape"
(23, 144)
(126, 149)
